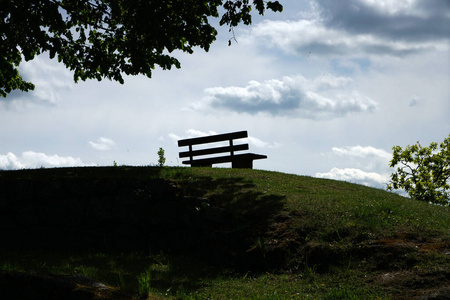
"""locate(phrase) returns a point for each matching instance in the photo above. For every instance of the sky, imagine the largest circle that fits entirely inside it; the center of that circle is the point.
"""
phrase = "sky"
(325, 89)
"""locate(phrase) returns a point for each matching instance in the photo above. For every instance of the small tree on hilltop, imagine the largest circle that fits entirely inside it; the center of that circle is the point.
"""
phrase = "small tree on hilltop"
(423, 172)
(161, 157)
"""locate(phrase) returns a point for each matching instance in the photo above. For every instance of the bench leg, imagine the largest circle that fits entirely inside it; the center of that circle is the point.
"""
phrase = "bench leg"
(242, 164)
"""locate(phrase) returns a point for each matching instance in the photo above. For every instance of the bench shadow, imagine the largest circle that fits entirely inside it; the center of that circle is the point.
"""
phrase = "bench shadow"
(234, 214)
(226, 229)
(214, 224)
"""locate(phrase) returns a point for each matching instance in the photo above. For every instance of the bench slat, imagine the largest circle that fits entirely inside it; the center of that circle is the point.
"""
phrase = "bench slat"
(214, 150)
(213, 138)
(224, 159)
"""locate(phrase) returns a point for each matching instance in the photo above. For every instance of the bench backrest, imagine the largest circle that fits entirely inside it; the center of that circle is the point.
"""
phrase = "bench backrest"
(213, 139)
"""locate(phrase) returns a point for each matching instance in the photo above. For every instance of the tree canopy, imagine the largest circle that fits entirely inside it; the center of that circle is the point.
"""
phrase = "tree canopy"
(99, 39)
(423, 172)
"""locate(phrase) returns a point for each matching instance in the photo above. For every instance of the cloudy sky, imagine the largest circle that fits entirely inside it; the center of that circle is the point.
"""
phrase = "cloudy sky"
(325, 89)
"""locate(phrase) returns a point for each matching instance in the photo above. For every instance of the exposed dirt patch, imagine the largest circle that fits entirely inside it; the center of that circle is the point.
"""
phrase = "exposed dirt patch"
(400, 265)
(417, 284)
(421, 244)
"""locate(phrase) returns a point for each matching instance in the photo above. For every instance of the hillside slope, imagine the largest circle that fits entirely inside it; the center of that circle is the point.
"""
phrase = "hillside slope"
(287, 235)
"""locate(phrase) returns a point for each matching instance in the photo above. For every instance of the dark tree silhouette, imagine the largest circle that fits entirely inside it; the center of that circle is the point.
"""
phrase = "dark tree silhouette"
(99, 39)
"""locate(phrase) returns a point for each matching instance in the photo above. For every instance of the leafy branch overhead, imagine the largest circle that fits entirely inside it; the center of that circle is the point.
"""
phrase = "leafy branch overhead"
(99, 39)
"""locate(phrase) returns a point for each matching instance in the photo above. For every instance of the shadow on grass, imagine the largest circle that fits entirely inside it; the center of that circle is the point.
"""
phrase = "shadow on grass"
(209, 227)
(85, 172)
(228, 218)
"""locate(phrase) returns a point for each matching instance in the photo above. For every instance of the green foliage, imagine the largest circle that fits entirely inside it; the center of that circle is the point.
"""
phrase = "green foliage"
(144, 282)
(424, 172)
(105, 39)
(161, 158)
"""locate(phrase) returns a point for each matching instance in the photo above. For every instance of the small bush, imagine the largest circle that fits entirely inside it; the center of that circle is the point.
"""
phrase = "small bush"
(161, 158)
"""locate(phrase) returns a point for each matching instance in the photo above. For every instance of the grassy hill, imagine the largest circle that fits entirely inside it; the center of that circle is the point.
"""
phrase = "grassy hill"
(277, 236)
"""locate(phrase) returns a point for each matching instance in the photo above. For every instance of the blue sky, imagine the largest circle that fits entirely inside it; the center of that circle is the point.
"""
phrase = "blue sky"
(325, 89)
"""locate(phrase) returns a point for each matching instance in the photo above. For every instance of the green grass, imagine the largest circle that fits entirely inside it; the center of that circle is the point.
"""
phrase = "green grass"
(304, 238)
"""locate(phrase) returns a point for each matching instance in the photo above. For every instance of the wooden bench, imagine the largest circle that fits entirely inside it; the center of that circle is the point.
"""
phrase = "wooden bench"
(237, 160)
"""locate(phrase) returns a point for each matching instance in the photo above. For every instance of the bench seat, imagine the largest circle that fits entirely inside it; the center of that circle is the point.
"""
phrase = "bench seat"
(237, 161)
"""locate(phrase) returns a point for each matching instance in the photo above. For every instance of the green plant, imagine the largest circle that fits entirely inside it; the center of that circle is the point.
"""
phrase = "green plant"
(121, 280)
(161, 158)
(424, 172)
(309, 272)
(144, 282)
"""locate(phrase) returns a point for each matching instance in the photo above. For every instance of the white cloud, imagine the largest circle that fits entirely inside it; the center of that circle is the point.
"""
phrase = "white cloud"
(51, 80)
(363, 152)
(324, 97)
(367, 158)
(30, 159)
(356, 176)
(191, 133)
(359, 27)
(261, 144)
(197, 133)
(10, 162)
(102, 144)
(364, 165)
(310, 38)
